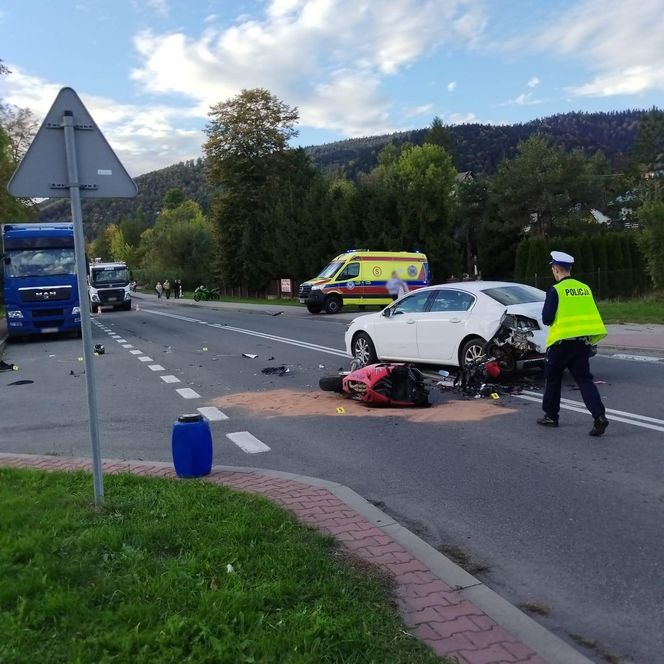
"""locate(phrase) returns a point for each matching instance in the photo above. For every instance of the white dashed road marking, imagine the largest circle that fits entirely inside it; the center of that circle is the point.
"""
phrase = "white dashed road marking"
(145, 358)
(136, 352)
(127, 345)
(155, 367)
(247, 442)
(188, 393)
(212, 413)
(170, 379)
(121, 341)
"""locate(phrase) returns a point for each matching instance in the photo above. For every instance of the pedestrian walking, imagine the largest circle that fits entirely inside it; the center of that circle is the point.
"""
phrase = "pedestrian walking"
(575, 326)
(396, 287)
(176, 289)
(167, 289)
(160, 289)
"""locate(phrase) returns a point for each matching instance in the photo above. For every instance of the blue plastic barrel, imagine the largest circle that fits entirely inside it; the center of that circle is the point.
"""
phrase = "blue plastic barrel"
(192, 446)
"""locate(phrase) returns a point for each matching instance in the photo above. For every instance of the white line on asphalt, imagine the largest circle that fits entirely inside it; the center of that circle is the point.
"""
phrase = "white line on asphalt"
(212, 413)
(636, 358)
(145, 358)
(155, 367)
(170, 379)
(188, 393)
(261, 335)
(121, 341)
(245, 441)
(136, 352)
(127, 345)
(580, 408)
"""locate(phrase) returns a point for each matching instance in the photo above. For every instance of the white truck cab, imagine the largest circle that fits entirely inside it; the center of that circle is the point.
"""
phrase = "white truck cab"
(109, 286)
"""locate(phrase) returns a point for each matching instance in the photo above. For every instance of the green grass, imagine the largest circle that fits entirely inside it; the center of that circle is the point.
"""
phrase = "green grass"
(649, 309)
(144, 579)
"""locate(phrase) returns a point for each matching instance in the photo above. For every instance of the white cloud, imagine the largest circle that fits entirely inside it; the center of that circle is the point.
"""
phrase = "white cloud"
(418, 110)
(621, 41)
(145, 138)
(533, 82)
(158, 6)
(461, 118)
(345, 49)
(451, 86)
(524, 99)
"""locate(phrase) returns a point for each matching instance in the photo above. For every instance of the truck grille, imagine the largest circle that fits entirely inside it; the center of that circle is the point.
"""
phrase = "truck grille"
(112, 295)
(41, 324)
(47, 313)
(45, 294)
(305, 289)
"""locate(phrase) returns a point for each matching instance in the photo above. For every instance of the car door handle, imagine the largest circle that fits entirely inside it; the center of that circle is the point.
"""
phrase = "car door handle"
(410, 321)
(455, 320)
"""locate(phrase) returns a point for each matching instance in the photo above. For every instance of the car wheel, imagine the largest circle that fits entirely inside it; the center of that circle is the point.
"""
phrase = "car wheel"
(471, 350)
(363, 349)
(333, 304)
(331, 383)
(94, 308)
(314, 308)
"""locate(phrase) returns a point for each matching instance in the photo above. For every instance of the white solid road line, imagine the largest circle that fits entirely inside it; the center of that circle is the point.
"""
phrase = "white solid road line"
(262, 335)
(145, 358)
(170, 379)
(614, 415)
(247, 442)
(212, 413)
(155, 367)
(187, 393)
(636, 358)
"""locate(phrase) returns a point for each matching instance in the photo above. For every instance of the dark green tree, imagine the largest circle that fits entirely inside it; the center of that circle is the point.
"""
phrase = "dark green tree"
(439, 134)
(174, 198)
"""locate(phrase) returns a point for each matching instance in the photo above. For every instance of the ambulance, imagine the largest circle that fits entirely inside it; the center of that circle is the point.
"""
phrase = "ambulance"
(359, 277)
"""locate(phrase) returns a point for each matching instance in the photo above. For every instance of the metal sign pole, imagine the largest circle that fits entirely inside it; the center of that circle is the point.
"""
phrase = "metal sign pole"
(81, 270)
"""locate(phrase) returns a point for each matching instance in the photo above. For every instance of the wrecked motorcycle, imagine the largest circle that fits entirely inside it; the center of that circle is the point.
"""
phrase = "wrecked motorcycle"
(205, 293)
(381, 385)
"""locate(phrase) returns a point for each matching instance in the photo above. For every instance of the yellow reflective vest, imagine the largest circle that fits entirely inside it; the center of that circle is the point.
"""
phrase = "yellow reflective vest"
(577, 314)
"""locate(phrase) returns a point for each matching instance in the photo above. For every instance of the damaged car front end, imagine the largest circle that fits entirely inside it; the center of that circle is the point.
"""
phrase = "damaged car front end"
(518, 342)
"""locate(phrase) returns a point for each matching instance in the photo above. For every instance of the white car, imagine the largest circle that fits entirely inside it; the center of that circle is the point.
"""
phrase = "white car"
(448, 324)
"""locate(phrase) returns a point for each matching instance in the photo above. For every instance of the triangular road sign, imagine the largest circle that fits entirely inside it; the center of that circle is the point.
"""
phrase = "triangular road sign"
(43, 170)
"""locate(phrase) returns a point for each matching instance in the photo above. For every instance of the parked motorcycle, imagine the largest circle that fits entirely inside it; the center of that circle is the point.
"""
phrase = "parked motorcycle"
(205, 293)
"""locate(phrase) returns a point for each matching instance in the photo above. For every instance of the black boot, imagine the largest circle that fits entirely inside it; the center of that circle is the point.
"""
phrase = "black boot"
(599, 427)
(548, 421)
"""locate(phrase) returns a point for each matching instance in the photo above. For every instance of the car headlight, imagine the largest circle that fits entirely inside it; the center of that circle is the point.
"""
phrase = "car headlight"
(75, 311)
(127, 296)
(316, 287)
(15, 314)
(94, 297)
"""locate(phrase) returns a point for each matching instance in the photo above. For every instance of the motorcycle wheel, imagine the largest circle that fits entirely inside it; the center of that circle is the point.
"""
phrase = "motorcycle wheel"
(331, 384)
(197, 297)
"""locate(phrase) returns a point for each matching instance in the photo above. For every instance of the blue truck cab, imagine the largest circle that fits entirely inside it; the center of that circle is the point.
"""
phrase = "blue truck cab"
(40, 285)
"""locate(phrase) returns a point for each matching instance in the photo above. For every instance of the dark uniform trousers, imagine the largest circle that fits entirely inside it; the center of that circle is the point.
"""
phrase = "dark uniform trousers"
(574, 355)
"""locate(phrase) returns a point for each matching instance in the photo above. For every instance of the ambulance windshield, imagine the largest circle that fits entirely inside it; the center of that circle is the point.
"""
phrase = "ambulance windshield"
(330, 271)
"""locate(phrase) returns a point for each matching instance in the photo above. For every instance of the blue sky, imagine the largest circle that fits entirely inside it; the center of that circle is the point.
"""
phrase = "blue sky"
(148, 70)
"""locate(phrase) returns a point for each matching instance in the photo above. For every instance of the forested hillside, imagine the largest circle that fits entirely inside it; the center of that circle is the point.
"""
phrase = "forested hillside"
(474, 147)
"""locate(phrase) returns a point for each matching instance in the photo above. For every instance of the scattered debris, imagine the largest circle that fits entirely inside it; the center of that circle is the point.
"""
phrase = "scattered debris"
(205, 349)
(279, 371)
(80, 359)
(4, 366)
(76, 375)
(321, 366)
(341, 410)
(230, 569)
(21, 382)
(251, 356)
(278, 313)
(495, 395)
(99, 349)
(270, 358)
(600, 382)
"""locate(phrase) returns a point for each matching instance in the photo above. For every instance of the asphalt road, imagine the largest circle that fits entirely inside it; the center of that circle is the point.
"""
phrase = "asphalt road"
(548, 517)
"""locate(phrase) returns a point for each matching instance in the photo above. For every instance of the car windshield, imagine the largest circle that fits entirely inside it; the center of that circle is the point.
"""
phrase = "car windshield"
(330, 270)
(41, 262)
(515, 294)
(110, 275)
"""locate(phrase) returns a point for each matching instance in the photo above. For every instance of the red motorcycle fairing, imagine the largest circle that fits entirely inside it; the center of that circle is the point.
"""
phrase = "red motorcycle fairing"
(387, 385)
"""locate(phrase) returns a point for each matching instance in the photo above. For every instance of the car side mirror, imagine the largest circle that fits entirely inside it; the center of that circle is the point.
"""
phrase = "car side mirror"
(387, 312)
(6, 260)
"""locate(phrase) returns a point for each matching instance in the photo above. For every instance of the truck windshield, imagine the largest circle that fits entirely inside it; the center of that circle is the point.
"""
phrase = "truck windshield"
(330, 270)
(41, 262)
(110, 275)
(517, 294)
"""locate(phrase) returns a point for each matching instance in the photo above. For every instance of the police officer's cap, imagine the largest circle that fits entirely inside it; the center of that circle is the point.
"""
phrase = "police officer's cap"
(562, 259)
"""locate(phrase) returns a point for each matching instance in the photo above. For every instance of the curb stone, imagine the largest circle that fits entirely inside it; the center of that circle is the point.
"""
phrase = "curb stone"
(450, 610)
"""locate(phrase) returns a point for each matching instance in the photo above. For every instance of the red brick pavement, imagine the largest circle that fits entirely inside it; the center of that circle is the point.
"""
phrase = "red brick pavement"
(451, 625)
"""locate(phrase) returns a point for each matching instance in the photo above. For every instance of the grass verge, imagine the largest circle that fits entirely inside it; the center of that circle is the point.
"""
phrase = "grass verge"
(145, 579)
(648, 309)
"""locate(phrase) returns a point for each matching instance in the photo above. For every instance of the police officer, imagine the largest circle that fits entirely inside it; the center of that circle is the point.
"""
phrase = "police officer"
(575, 325)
